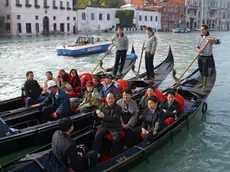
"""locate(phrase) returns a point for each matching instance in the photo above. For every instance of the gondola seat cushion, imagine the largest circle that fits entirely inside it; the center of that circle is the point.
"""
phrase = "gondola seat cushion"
(122, 84)
(103, 100)
(33, 101)
(109, 136)
(168, 121)
(158, 94)
(180, 100)
(85, 77)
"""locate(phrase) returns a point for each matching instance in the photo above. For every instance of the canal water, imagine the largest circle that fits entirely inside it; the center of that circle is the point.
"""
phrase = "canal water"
(205, 147)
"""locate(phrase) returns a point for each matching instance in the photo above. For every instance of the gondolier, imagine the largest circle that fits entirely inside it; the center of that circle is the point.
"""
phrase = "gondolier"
(150, 50)
(122, 44)
(206, 57)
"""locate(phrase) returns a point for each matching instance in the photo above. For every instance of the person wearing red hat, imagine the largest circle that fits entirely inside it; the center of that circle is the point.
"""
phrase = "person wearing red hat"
(91, 99)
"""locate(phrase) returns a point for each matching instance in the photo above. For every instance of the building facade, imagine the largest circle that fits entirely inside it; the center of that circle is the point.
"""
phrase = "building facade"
(172, 12)
(144, 18)
(214, 13)
(92, 18)
(30, 17)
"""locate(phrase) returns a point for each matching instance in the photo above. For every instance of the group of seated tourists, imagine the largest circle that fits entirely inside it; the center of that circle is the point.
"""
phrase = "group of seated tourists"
(118, 120)
(121, 118)
(68, 93)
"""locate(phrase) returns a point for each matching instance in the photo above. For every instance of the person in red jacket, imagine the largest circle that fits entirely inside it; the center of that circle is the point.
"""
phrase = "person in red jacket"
(75, 83)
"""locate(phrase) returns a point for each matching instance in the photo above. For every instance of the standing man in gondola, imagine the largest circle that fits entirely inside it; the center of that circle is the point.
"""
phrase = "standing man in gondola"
(122, 44)
(206, 57)
(150, 50)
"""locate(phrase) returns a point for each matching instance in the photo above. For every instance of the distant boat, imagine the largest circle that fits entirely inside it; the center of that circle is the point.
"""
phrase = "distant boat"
(85, 45)
(181, 30)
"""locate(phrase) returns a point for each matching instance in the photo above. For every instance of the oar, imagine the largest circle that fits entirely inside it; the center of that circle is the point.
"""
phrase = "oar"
(102, 59)
(139, 67)
(192, 62)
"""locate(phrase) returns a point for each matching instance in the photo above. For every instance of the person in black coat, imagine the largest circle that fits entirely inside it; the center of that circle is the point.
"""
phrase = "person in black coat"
(154, 119)
(110, 114)
(170, 106)
(32, 90)
(65, 148)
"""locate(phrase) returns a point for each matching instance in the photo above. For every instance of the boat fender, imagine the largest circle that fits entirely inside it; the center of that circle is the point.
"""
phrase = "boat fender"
(204, 108)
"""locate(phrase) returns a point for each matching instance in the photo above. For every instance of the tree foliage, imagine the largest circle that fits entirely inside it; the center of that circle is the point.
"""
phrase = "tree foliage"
(125, 17)
(99, 3)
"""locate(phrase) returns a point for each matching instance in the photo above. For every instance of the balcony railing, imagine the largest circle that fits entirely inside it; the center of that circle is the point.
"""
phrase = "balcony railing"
(19, 5)
(192, 7)
(37, 6)
(68, 8)
(54, 7)
(28, 5)
(213, 8)
(46, 7)
(62, 8)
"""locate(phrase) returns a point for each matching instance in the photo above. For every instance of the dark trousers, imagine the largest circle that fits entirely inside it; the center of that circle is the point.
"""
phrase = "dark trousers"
(120, 56)
(129, 136)
(149, 64)
(47, 110)
(100, 137)
(203, 63)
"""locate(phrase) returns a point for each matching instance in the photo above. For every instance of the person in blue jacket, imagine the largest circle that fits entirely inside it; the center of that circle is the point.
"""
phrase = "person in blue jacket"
(57, 103)
(109, 86)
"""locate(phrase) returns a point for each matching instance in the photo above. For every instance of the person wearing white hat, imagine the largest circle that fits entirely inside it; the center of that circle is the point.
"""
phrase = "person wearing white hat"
(57, 104)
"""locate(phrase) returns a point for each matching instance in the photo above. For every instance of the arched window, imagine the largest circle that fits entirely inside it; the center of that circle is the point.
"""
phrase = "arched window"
(100, 16)
(83, 16)
(108, 16)
(92, 16)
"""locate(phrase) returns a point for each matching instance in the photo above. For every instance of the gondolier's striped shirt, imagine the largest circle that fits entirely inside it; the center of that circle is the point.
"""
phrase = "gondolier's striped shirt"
(202, 41)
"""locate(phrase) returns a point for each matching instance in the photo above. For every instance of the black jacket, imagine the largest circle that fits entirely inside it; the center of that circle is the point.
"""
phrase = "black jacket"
(175, 106)
(143, 104)
(32, 89)
(65, 149)
(153, 122)
(111, 120)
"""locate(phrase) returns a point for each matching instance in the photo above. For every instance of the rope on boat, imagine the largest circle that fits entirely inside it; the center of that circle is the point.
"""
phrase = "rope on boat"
(204, 108)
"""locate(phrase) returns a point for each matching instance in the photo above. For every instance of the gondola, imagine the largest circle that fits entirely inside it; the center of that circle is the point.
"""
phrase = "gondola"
(34, 133)
(194, 100)
(17, 105)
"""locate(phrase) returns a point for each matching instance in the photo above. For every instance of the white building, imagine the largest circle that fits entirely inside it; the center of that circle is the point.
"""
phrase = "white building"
(30, 17)
(148, 19)
(214, 13)
(26, 17)
(145, 18)
(92, 18)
